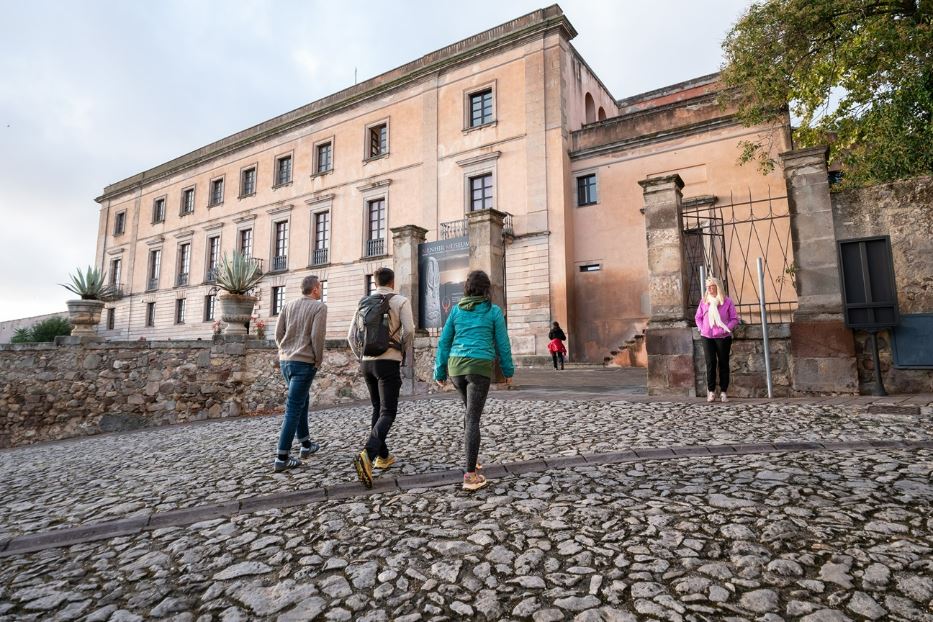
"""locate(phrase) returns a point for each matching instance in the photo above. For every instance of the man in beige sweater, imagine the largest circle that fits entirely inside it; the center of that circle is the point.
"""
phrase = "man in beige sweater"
(383, 376)
(299, 334)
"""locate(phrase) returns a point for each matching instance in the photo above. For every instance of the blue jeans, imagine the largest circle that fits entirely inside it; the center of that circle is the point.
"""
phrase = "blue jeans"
(298, 377)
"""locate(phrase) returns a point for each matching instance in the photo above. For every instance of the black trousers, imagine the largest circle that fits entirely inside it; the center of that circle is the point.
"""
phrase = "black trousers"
(558, 355)
(384, 381)
(473, 390)
(716, 352)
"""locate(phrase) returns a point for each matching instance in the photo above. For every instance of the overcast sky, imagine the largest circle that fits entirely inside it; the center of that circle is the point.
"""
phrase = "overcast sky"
(92, 92)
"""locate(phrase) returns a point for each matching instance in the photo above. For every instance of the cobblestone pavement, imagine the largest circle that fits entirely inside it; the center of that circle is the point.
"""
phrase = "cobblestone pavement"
(115, 476)
(820, 536)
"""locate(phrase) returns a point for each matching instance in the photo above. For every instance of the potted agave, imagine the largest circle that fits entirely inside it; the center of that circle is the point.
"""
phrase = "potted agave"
(84, 313)
(237, 274)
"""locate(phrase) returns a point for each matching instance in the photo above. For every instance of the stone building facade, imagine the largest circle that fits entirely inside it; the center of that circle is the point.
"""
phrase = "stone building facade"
(511, 119)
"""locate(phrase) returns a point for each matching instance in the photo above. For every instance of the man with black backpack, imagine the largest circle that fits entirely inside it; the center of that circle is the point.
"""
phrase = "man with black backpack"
(380, 334)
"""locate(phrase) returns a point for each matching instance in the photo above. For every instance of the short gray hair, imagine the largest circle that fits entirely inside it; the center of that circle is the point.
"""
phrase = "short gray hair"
(308, 284)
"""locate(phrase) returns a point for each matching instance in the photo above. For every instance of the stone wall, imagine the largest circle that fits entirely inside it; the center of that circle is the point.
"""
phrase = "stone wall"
(50, 392)
(747, 363)
(902, 210)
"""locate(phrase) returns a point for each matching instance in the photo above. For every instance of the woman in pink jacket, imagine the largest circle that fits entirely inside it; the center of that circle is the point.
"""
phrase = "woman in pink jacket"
(716, 318)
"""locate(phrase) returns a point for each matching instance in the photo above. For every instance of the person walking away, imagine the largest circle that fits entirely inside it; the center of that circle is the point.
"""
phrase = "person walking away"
(473, 336)
(299, 335)
(381, 344)
(556, 332)
(716, 318)
(558, 350)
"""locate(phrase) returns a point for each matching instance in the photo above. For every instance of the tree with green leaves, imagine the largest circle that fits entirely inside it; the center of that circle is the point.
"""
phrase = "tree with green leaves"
(46, 330)
(857, 74)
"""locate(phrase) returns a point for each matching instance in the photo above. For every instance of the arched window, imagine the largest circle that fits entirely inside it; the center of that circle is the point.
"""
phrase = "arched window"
(590, 108)
(602, 114)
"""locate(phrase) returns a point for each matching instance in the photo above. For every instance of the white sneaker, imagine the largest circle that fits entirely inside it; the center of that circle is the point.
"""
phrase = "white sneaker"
(724, 397)
(711, 396)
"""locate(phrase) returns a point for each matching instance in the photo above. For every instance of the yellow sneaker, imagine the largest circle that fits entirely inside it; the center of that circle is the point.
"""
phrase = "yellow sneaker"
(384, 463)
(364, 468)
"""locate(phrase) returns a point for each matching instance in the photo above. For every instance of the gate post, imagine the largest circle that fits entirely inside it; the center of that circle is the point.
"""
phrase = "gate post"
(668, 336)
(823, 349)
(487, 250)
(405, 241)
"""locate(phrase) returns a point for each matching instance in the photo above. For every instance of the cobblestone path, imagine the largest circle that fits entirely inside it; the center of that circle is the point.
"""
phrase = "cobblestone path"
(828, 535)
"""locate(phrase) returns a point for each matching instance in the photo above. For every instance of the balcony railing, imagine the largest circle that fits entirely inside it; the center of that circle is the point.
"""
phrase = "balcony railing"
(117, 291)
(319, 257)
(454, 229)
(257, 263)
(211, 276)
(375, 248)
(507, 225)
(279, 263)
(181, 279)
(152, 284)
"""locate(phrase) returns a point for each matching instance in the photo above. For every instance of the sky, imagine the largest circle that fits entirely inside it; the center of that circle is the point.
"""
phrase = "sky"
(94, 91)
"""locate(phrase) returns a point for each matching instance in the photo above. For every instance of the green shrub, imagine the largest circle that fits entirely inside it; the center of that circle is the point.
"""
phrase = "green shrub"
(46, 330)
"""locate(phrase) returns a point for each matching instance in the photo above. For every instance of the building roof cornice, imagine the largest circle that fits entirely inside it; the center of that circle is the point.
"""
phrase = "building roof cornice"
(526, 26)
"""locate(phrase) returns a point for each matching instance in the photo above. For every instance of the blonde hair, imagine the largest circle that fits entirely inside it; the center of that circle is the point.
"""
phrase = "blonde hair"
(720, 297)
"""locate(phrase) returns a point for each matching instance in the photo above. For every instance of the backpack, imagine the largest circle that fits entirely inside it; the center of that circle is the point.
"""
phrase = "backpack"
(371, 326)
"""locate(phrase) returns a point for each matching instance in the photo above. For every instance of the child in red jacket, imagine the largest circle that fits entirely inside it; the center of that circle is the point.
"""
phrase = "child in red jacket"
(557, 350)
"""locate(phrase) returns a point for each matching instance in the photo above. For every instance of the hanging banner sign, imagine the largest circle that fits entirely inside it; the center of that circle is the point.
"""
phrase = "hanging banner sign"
(442, 270)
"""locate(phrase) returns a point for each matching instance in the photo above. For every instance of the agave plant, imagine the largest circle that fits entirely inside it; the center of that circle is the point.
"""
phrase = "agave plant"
(237, 273)
(90, 285)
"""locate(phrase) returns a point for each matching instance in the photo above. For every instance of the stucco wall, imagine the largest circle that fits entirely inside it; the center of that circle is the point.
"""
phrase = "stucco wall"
(904, 211)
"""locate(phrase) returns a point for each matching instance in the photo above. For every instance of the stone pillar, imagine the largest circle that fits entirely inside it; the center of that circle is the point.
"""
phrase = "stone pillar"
(487, 250)
(668, 336)
(405, 241)
(487, 253)
(823, 349)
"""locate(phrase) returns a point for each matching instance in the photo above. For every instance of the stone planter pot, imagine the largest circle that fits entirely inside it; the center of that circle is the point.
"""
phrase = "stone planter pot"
(84, 316)
(236, 311)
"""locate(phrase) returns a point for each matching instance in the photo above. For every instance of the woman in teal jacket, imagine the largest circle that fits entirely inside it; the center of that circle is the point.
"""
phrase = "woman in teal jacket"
(474, 333)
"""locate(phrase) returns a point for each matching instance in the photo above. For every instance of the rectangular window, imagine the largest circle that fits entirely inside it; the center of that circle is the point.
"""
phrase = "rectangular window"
(158, 210)
(111, 318)
(586, 189)
(370, 284)
(376, 222)
(150, 314)
(184, 264)
(378, 140)
(278, 299)
(217, 191)
(590, 267)
(246, 242)
(119, 223)
(481, 192)
(155, 264)
(180, 311)
(248, 182)
(325, 157)
(481, 108)
(116, 268)
(187, 201)
(213, 257)
(324, 291)
(280, 250)
(321, 238)
(209, 303)
(283, 170)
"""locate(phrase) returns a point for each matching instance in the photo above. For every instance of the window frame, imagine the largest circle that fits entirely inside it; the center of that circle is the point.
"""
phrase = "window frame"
(491, 187)
(149, 319)
(277, 300)
(276, 166)
(468, 95)
(478, 166)
(153, 268)
(209, 265)
(210, 307)
(116, 270)
(579, 177)
(184, 193)
(254, 167)
(275, 240)
(119, 223)
(210, 191)
(316, 156)
(111, 318)
(324, 289)
(181, 305)
(368, 156)
(252, 243)
(183, 264)
(155, 203)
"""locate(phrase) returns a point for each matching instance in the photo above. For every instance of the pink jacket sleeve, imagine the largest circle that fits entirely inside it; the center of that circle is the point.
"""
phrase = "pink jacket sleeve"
(731, 316)
(701, 313)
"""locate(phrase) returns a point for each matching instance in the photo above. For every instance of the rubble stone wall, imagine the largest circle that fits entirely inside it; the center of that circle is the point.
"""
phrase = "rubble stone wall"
(747, 376)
